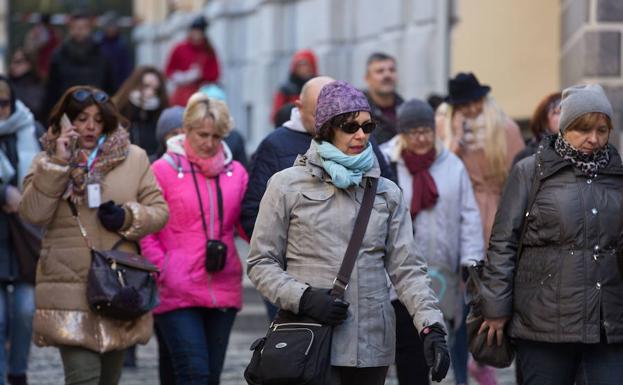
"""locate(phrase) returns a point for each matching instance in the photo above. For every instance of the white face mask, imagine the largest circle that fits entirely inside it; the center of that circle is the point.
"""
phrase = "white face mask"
(150, 103)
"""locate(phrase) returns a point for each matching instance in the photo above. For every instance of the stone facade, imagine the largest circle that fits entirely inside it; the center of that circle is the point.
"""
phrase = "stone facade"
(591, 50)
(256, 38)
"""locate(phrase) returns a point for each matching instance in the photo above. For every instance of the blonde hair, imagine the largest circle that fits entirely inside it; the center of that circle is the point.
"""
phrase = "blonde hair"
(494, 146)
(200, 107)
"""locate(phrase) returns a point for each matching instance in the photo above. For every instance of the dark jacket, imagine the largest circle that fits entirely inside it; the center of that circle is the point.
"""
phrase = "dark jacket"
(386, 123)
(74, 65)
(235, 141)
(8, 259)
(277, 152)
(531, 147)
(565, 287)
(143, 127)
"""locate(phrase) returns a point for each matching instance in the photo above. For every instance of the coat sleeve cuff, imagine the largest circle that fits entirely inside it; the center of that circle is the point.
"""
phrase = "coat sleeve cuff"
(51, 178)
(497, 308)
(293, 298)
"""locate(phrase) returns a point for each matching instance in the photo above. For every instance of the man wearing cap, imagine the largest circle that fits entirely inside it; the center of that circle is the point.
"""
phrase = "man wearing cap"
(560, 300)
(192, 63)
(381, 76)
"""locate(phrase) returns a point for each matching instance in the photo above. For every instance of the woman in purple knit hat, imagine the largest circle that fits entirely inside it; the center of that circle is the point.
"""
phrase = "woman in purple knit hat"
(305, 222)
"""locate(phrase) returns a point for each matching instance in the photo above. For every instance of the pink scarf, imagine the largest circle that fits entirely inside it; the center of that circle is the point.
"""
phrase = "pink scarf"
(209, 167)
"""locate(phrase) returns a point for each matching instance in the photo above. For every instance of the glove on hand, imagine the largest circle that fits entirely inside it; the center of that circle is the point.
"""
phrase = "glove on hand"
(436, 351)
(318, 304)
(111, 215)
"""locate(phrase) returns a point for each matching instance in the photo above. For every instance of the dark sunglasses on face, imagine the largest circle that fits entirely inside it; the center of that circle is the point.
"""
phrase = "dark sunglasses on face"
(5, 103)
(82, 95)
(352, 127)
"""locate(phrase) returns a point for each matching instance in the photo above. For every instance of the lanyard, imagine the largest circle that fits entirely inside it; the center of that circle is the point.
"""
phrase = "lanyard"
(93, 154)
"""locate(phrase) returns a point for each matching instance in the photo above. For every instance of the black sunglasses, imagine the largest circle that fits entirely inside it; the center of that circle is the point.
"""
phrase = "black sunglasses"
(82, 95)
(352, 127)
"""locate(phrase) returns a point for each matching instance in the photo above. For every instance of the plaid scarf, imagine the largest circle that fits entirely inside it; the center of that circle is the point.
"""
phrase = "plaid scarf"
(112, 152)
(588, 164)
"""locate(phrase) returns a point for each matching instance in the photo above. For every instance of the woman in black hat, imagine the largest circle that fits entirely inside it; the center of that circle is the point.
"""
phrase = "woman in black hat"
(472, 126)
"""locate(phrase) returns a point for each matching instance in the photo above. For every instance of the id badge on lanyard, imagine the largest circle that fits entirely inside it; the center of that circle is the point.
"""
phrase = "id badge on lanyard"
(94, 191)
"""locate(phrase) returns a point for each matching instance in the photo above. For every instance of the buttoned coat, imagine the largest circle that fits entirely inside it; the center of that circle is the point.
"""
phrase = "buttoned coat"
(565, 287)
(301, 234)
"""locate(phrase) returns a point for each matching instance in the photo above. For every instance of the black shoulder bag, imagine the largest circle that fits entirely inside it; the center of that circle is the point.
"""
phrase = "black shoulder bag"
(216, 250)
(494, 355)
(297, 349)
(120, 285)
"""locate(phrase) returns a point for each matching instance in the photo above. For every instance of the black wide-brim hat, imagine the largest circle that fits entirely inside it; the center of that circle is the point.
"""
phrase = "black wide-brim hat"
(465, 88)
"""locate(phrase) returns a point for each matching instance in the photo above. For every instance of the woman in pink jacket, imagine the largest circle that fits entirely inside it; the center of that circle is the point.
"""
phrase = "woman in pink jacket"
(201, 275)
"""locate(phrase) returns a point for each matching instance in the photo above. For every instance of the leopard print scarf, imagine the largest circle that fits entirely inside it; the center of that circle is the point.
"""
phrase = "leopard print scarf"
(589, 165)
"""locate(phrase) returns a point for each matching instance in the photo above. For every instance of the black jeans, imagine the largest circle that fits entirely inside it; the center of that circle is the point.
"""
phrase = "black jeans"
(361, 376)
(410, 362)
(545, 363)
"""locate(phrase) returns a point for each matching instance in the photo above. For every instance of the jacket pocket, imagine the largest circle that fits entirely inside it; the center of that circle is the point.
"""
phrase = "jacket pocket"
(381, 329)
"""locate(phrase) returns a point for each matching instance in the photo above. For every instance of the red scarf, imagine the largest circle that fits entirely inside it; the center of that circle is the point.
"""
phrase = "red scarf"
(424, 188)
(209, 167)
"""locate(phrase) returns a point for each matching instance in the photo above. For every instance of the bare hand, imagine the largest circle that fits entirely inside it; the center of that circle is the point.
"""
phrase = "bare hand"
(496, 329)
(12, 199)
(65, 141)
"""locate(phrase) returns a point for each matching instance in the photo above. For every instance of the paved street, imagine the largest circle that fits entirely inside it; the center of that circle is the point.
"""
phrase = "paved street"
(46, 369)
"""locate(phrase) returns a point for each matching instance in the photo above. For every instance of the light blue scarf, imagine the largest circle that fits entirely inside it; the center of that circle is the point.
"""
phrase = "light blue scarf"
(345, 170)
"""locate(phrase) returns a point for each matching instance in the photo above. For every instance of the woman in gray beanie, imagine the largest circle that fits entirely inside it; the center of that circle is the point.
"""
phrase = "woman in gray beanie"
(560, 298)
(305, 222)
(446, 228)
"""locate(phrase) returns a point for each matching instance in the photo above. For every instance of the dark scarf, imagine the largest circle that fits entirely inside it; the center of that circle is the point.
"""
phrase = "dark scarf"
(114, 151)
(589, 165)
(424, 188)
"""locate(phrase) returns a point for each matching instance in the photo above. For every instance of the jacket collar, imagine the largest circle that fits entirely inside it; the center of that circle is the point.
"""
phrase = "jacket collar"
(549, 162)
(313, 163)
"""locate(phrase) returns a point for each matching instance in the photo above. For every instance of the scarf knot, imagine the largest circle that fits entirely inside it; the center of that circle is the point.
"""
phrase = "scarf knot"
(425, 192)
(345, 170)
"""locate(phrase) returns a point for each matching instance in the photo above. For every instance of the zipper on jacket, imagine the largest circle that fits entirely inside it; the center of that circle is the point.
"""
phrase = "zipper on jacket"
(211, 208)
(212, 297)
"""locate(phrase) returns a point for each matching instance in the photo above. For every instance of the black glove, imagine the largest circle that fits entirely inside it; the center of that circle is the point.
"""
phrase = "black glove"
(318, 304)
(436, 351)
(111, 215)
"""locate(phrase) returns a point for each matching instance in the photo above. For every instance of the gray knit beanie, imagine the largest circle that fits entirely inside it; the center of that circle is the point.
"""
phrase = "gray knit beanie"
(170, 119)
(415, 113)
(581, 99)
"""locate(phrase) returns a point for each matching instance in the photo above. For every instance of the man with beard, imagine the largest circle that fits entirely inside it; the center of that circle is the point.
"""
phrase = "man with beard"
(381, 93)
(77, 61)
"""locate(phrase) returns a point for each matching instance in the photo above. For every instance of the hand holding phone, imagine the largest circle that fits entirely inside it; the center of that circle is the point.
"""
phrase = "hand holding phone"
(67, 142)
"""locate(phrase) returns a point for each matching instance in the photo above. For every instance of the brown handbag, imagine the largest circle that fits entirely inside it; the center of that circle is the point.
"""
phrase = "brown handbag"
(120, 285)
(494, 355)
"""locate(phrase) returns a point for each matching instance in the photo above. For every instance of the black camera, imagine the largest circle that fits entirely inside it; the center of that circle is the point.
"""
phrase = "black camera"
(216, 254)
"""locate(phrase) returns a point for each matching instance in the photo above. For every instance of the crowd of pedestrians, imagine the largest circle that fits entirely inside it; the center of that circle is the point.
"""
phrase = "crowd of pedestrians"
(96, 155)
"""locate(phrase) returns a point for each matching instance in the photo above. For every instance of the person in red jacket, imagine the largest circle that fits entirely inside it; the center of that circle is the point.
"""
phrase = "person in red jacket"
(192, 63)
(302, 68)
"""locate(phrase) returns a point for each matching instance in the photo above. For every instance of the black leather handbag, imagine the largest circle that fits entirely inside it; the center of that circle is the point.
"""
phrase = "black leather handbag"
(494, 355)
(120, 285)
(297, 349)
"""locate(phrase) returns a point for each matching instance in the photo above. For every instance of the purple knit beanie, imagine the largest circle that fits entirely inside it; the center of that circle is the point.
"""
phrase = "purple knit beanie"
(337, 98)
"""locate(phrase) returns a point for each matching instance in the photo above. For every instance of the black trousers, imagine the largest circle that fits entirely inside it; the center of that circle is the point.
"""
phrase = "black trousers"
(410, 362)
(361, 376)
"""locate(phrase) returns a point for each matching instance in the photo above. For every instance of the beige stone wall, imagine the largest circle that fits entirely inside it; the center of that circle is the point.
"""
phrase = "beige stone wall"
(514, 46)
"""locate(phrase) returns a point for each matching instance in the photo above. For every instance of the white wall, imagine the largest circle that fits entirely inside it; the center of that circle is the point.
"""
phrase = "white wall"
(255, 39)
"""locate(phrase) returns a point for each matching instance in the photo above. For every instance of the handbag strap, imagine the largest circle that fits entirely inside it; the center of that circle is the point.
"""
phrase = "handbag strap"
(83, 231)
(340, 283)
(534, 189)
(219, 202)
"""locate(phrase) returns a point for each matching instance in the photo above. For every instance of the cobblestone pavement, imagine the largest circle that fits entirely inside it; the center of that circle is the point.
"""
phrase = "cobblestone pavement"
(46, 368)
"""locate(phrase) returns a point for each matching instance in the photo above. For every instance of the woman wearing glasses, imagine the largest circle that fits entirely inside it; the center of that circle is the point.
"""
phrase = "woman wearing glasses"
(88, 160)
(201, 274)
(446, 227)
(305, 222)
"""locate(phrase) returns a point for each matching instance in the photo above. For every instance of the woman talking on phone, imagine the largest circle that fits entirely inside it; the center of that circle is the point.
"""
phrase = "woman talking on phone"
(88, 161)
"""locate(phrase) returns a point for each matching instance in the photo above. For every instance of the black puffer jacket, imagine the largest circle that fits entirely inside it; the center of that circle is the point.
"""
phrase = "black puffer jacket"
(566, 286)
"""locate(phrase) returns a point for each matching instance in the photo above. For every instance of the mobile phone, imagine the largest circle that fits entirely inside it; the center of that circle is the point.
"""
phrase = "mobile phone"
(66, 125)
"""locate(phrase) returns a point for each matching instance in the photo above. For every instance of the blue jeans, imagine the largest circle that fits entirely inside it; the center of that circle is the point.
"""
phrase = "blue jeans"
(459, 350)
(17, 306)
(546, 363)
(196, 339)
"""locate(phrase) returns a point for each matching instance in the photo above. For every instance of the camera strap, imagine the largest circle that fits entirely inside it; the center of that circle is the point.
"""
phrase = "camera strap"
(219, 202)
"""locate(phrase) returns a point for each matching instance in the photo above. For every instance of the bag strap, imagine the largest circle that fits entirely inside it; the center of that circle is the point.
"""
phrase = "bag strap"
(340, 283)
(83, 231)
(534, 189)
(219, 202)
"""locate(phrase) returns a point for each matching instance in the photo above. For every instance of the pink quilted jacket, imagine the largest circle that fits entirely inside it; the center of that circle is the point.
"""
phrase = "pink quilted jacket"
(179, 248)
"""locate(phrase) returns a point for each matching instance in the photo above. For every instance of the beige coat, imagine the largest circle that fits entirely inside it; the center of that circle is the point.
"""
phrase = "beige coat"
(63, 316)
(301, 233)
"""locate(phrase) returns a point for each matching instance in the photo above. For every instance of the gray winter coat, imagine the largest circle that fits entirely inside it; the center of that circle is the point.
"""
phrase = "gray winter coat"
(302, 230)
(566, 286)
